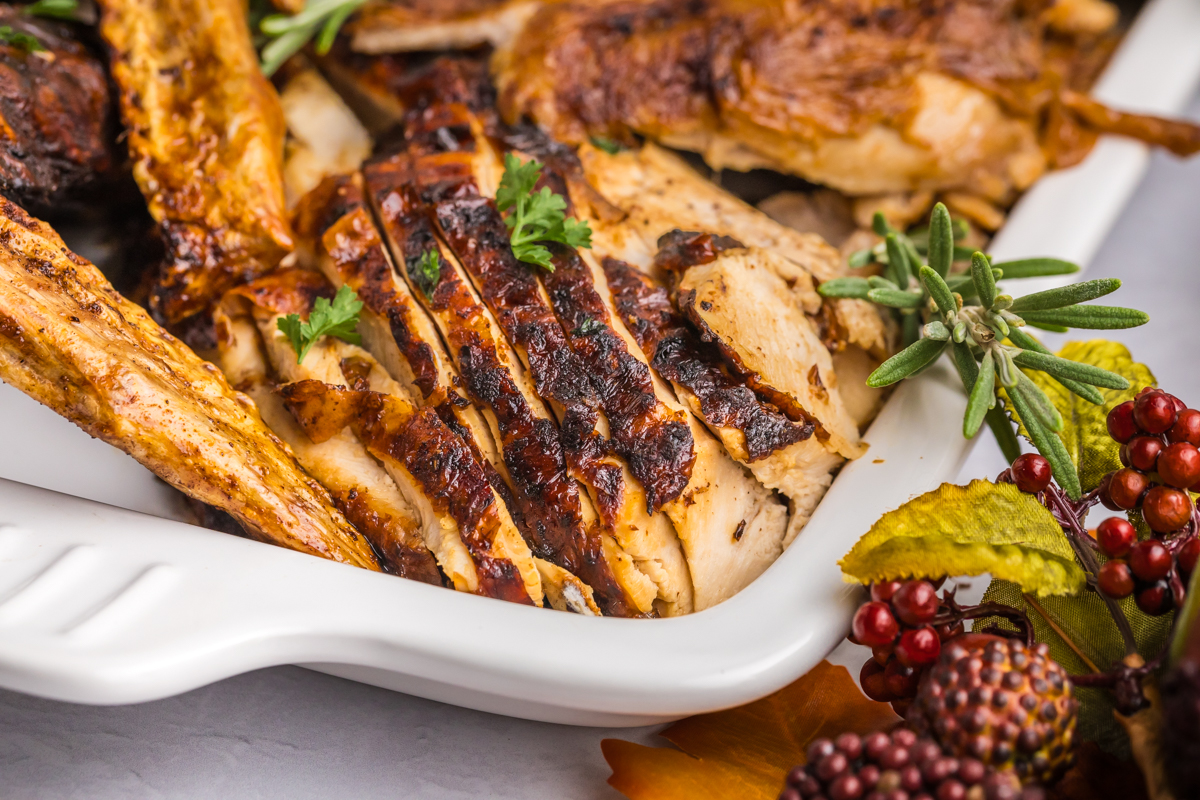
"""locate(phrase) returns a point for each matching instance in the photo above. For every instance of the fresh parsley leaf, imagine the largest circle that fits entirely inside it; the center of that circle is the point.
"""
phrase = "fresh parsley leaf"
(320, 19)
(58, 9)
(428, 272)
(607, 145)
(534, 217)
(588, 327)
(25, 41)
(339, 319)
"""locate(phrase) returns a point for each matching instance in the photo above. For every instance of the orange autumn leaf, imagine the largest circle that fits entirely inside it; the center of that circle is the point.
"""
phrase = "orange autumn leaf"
(745, 753)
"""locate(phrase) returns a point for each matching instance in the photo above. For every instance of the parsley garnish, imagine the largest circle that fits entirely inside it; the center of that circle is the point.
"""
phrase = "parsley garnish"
(607, 145)
(320, 20)
(588, 327)
(428, 272)
(25, 41)
(536, 216)
(59, 9)
(337, 319)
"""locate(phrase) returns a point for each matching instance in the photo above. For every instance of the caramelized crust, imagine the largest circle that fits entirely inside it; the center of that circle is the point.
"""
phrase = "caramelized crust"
(71, 342)
(56, 115)
(205, 131)
(441, 464)
(547, 498)
(401, 25)
(679, 356)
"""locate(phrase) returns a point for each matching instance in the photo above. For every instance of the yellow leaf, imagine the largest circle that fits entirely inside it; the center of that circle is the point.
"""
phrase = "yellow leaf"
(1085, 432)
(980, 528)
(746, 752)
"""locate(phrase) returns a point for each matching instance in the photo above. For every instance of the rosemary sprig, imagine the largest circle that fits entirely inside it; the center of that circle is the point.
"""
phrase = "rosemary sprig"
(286, 35)
(968, 315)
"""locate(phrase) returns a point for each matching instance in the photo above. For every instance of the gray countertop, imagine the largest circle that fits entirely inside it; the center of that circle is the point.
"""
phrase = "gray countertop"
(291, 733)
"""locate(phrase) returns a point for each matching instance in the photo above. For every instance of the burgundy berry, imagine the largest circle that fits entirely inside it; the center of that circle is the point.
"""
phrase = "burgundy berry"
(874, 685)
(1188, 555)
(882, 654)
(1031, 473)
(901, 681)
(1155, 600)
(1154, 412)
(1121, 426)
(1115, 536)
(1143, 452)
(874, 625)
(1126, 487)
(884, 591)
(916, 602)
(1149, 560)
(1166, 510)
(1104, 488)
(1186, 428)
(918, 647)
(1115, 579)
(1180, 406)
(1179, 465)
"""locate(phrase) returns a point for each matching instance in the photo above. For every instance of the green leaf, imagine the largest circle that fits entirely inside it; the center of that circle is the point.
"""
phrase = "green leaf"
(1085, 619)
(983, 395)
(57, 9)
(980, 528)
(427, 272)
(895, 298)
(1002, 429)
(588, 327)
(1027, 342)
(879, 224)
(19, 39)
(1071, 370)
(1099, 318)
(897, 261)
(855, 288)
(1028, 406)
(607, 145)
(1065, 295)
(941, 240)
(1036, 267)
(1045, 326)
(985, 282)
(536, 217)
(907, 362)
(860, 258)
(289, 34)
(339, 319)
(939, 291)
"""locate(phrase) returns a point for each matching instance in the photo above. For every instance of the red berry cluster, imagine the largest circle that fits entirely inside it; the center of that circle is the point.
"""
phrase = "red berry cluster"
(1160, 448)
(897, 625)
(899, 766)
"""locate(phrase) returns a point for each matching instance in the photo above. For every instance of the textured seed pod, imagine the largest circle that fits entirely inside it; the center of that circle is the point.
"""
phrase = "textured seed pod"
(994, 699)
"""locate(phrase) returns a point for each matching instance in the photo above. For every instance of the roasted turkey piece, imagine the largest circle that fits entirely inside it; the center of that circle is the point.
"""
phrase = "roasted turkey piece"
(71, 342)
(206, 137)
(56, 114)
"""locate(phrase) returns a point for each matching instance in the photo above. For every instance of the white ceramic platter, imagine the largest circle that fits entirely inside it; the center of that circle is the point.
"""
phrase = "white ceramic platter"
(106, 599)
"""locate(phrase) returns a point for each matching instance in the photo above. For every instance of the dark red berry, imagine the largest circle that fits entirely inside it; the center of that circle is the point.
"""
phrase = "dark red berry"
(1121, 426)
(1154, 412)
(918, 647)
(831, 766)
(1188, 555)
(1115, 536)
(1115, 579)
(901, 681)
(1126, 487)
(873, 683)
(882, 592)
(846, 787)
(1155, 600)
(1105, 500)
(1180, 406)
(881, 654)
(1166, 510)
(1031, 473)
(1179, 465)
(916, 602)
(901, 706)
(1149, 560)
(874, 625)
(850, 744)
(1143, 451)
(949, 631)
(1186, 428)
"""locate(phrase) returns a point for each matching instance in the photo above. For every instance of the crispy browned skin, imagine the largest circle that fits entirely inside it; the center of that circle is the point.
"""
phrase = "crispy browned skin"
(443, 466)
(677, 353)
(56, 115)
(406, 191)
(395, 25)
(70, 341)
(206, 136)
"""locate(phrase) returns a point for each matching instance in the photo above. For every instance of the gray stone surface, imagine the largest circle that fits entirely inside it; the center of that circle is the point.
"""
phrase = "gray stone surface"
(290, 733)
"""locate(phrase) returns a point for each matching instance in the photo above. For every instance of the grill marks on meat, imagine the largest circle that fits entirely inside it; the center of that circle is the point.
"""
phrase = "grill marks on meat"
(56, 116)
(677, 353)
(438, 461)
(71, 342)
(656, 443)
(206, 137)
(547, 498)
